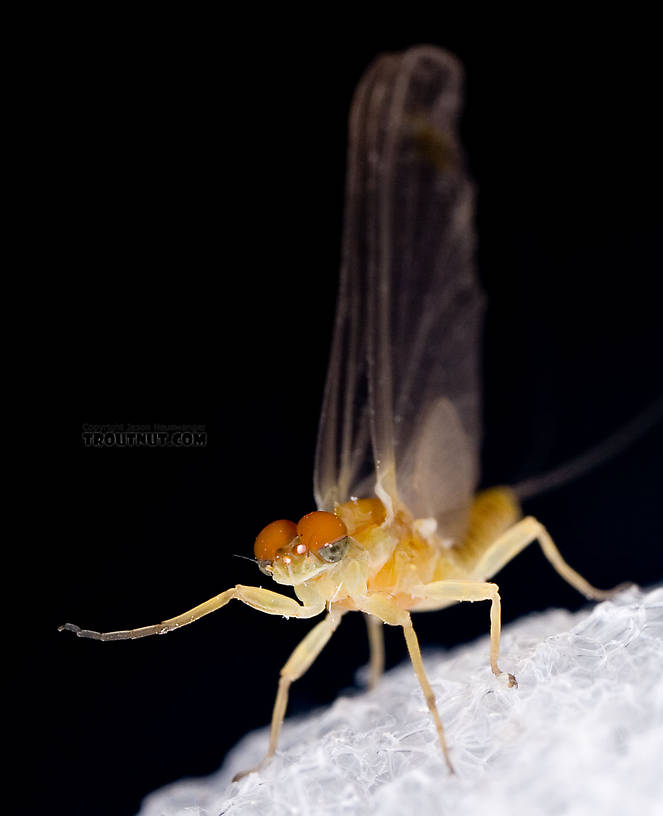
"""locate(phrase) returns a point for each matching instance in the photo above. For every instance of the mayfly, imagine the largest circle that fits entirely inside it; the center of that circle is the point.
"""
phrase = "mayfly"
(398, 527)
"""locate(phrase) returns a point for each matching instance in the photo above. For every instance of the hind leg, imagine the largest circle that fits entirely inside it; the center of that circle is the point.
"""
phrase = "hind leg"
(376, 647)
(516, 538)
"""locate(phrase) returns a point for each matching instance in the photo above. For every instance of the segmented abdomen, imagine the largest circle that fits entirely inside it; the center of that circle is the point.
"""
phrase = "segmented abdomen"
(493, 511)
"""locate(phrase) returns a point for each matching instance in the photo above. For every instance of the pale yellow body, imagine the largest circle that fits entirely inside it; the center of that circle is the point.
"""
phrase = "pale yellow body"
(391, 568)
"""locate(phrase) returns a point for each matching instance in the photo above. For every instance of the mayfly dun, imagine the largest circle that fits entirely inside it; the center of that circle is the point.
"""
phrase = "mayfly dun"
(398, 527)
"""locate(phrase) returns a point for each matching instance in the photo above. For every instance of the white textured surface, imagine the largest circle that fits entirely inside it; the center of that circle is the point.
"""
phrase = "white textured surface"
(583, 733)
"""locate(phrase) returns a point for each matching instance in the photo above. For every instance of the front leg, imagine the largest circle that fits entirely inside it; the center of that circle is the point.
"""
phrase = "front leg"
(264, 600)
(299, 662)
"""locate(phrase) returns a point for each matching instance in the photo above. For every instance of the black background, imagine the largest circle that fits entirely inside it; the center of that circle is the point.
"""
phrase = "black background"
(191, 193)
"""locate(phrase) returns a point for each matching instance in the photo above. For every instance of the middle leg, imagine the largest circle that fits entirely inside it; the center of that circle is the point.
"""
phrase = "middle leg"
(449, 591)
(418, 666)
(385, 609)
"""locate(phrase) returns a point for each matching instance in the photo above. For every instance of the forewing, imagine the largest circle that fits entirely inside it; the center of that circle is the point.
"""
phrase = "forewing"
(401, 405)
(343, 456)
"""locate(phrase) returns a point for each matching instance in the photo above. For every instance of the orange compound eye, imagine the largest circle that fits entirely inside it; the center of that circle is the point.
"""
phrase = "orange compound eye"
(319, 528)
(274, 537)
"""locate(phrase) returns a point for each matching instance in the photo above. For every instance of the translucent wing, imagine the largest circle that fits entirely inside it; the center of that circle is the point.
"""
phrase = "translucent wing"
(400, 414)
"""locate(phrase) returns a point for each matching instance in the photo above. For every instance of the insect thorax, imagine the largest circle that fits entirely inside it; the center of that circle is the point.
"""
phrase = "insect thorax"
(395, 559)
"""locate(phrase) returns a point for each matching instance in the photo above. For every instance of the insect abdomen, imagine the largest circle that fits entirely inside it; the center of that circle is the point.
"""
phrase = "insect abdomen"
(493, 511)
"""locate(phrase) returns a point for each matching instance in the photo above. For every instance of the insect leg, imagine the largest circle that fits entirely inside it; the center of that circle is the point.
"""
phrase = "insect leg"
(516, 538)
(263, 600)
(298, 662)
(376, 646)
(384, 608)
(418, 665)
(445, 591)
